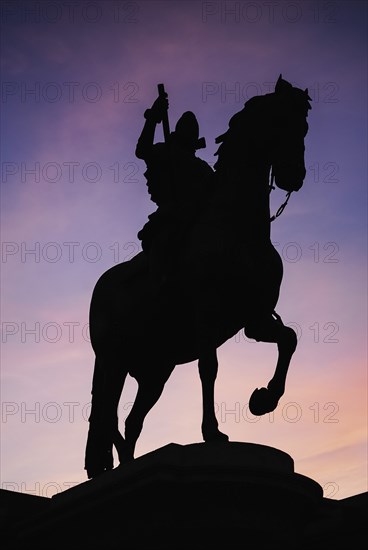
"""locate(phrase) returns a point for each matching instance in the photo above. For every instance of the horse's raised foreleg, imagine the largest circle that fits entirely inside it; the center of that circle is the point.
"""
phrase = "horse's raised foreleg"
(149, 391)
(208, 366)
(108, 381)
(265, 400)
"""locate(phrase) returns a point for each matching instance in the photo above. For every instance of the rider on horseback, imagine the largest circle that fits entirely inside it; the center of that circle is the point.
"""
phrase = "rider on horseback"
(178, 182)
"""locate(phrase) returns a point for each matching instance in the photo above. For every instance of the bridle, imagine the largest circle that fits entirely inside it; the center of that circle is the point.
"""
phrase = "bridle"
(283, 205)
(271, 187)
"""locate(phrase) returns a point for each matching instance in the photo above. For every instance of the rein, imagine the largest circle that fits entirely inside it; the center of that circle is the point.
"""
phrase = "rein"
(283, 205)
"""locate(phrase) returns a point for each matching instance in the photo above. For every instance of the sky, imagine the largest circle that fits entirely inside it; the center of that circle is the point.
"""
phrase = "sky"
(76, 79)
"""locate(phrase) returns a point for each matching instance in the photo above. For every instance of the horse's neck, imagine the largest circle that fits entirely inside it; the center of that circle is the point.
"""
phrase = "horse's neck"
(241, 203)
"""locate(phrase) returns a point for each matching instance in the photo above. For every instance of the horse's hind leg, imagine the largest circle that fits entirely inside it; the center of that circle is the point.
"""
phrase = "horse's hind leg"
(107, 385)
(208, 366)
(272, 329)
(149, 391)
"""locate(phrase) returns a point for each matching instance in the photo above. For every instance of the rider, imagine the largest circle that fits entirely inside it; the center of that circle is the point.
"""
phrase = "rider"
(178, 182)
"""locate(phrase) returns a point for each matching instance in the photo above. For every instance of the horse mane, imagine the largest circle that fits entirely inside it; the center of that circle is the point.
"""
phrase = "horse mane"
(247, 118)
(285, 98)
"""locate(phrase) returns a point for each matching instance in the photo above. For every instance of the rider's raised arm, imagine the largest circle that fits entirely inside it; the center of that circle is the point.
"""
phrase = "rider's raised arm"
(153, 117)
(145, 141)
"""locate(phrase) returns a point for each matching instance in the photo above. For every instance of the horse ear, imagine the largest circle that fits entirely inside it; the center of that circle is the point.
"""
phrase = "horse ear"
(282, 85)
(278, 84)
(307, 94)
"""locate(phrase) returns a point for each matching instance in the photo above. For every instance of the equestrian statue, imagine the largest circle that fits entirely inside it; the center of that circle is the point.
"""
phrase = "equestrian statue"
(207, 268)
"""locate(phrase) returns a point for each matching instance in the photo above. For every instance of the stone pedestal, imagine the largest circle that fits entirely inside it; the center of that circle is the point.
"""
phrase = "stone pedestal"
(195, 496)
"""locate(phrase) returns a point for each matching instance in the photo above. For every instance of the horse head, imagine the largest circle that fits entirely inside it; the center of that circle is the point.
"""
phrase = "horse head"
(289, 128)
(269, 130)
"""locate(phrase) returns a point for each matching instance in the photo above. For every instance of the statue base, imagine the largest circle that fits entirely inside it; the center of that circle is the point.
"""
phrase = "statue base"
(198, 496)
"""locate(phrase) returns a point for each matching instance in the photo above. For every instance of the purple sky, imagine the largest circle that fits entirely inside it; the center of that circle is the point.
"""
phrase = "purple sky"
(76, 80)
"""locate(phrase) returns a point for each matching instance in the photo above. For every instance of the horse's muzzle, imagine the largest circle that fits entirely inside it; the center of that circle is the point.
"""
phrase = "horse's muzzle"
(290, 179)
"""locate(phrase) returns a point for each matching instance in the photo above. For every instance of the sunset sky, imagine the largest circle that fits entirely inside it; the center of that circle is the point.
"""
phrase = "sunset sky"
(76, 79)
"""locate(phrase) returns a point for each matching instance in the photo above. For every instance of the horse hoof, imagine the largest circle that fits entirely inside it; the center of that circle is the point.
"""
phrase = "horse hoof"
(262, 401)
(215, 436)
(94, 472)
(125, 451)
(97, 462)
(97, 470)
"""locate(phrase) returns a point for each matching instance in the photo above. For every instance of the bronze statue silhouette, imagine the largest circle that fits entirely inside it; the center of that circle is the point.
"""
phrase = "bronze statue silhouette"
(226, 278)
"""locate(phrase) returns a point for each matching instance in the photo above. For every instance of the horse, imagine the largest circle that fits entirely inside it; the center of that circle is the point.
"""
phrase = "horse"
(228, 277)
